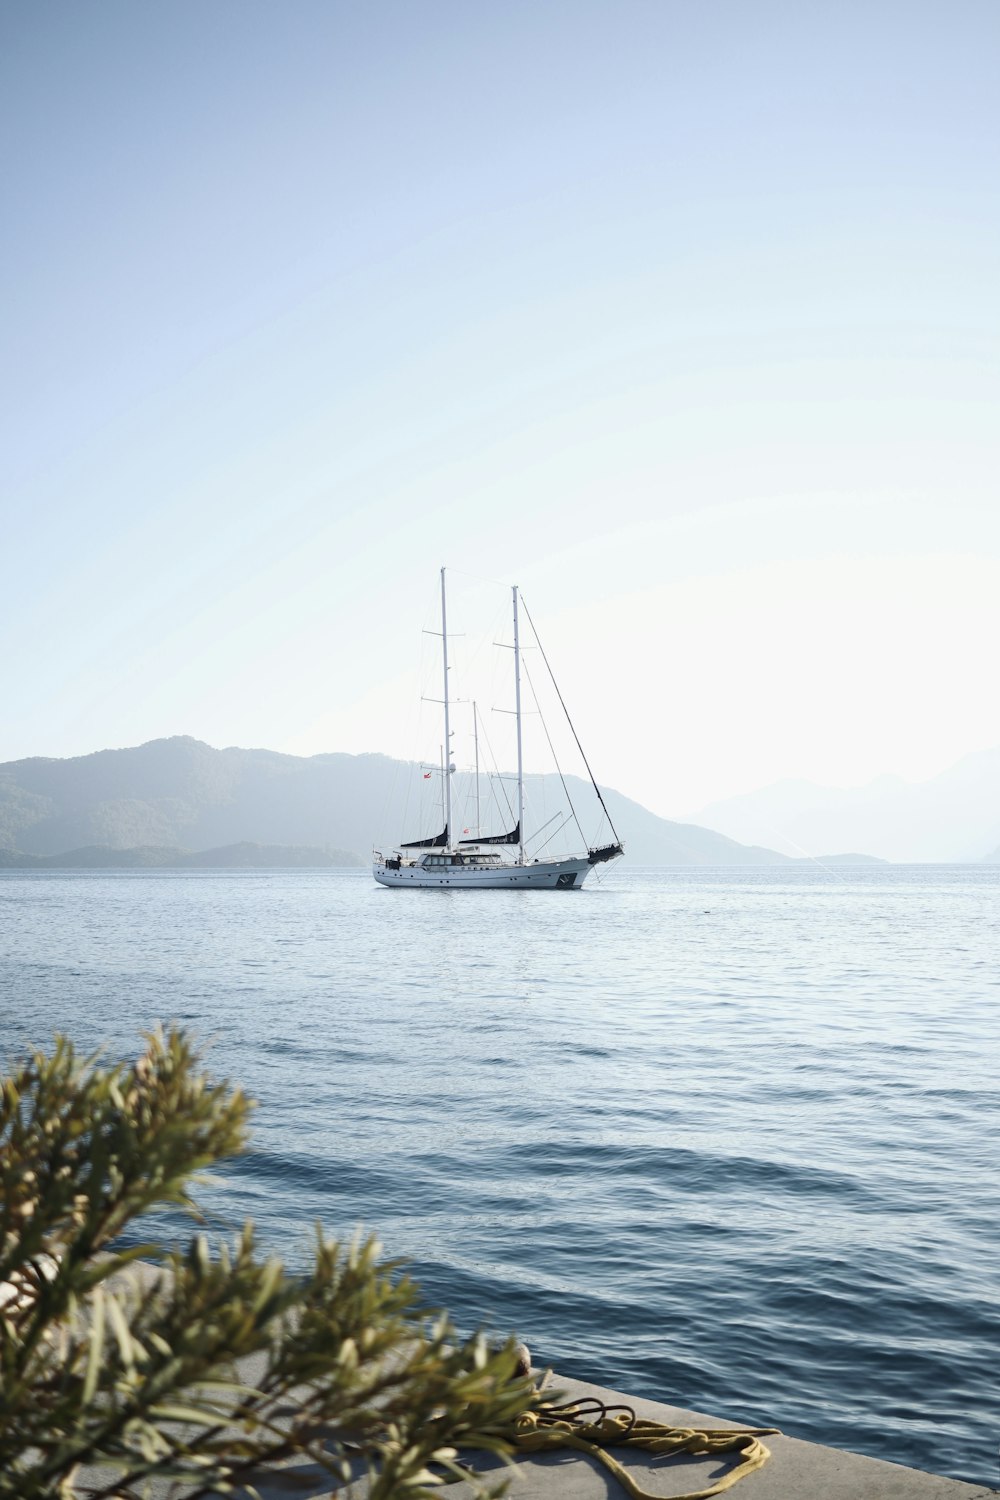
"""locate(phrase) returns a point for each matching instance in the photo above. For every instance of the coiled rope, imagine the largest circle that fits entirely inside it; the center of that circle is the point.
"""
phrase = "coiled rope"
(592, 1427)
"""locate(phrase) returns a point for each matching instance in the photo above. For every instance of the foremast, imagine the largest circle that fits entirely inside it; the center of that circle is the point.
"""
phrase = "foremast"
(517, 713)
(447, 721)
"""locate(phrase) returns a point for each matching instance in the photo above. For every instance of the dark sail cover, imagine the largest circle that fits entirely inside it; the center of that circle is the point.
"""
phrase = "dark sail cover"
(609, 851)
(514, 837)
(440, 842)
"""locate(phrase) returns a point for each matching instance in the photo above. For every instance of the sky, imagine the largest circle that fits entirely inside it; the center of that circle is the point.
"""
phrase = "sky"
(681, 316)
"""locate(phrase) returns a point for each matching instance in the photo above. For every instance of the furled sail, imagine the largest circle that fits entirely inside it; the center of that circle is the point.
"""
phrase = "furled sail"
(440, 842)
(514, 837)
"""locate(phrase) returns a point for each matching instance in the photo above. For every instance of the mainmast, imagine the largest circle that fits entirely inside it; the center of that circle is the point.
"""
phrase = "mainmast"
(475, 736)
(447, 726)
(517, 711)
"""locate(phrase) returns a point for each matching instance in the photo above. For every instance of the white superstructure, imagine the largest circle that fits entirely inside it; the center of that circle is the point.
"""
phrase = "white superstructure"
(478, 871)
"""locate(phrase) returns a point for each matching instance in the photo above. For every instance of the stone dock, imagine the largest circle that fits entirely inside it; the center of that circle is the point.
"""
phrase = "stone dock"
(796, 1470)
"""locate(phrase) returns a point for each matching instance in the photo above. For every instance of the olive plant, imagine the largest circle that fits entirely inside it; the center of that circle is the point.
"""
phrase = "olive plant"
(221, 1364)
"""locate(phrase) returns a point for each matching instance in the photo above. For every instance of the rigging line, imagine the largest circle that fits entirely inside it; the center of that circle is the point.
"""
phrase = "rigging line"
(538, 832)
(478, 650)
(555, 758)
(479, 577)
(569, 721)
(551, 836)
(425, 667)
(413, 726)
(803, 854)
(495, 777)
(468, 790)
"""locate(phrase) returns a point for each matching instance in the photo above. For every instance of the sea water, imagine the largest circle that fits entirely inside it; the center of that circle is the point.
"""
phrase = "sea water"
(729, 1139)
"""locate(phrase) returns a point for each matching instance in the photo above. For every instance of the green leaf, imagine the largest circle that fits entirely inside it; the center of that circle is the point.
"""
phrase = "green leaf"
(176, 1411)
(95, 1351)
(128, 1346)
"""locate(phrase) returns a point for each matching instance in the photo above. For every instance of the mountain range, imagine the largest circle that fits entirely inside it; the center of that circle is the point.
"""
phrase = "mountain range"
(242, 856)
(954, 816)
(179, 794)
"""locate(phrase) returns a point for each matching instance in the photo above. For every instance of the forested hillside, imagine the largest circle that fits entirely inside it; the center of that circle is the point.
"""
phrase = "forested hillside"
(184, 795)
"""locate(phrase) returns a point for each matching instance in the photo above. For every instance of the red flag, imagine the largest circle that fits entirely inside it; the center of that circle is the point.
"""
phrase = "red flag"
(427, 775)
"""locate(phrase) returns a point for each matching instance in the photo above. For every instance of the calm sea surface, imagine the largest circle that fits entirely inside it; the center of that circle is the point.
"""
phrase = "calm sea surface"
(730, 1139)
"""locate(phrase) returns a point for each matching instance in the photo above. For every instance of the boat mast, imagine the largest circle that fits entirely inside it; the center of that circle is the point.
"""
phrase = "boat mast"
(517, 711)
(447, 727)
(444, 815)
(475, 736)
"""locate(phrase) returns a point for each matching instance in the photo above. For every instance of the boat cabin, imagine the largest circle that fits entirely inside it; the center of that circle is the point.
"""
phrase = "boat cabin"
(436, 860)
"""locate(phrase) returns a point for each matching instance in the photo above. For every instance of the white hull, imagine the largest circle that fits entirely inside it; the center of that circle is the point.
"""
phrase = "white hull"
(550, 874)
(450, 863)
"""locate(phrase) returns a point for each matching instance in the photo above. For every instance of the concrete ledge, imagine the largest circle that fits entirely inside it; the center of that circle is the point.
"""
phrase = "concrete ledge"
(796, 1470)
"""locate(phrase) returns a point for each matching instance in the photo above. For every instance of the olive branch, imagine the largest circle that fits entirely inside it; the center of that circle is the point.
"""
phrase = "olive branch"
(214, 1367)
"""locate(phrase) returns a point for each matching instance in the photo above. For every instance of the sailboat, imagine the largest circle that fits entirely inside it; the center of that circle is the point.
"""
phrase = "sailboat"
(497, 861)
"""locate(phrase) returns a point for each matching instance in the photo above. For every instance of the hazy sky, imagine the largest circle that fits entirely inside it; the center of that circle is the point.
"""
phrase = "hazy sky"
(684, 316)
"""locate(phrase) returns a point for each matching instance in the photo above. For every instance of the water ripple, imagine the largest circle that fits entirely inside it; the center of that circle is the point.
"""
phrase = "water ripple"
(724, 1138)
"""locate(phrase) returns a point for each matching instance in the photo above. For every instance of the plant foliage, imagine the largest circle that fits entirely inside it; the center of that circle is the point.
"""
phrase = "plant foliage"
(215, 1367)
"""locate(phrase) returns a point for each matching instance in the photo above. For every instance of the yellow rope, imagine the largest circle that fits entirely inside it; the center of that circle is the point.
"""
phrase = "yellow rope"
(549, 1427)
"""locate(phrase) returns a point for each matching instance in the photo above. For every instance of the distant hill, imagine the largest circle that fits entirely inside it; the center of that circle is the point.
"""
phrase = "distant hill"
(180, 794)
(840, 859)
(243, 856)
(951, 817)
